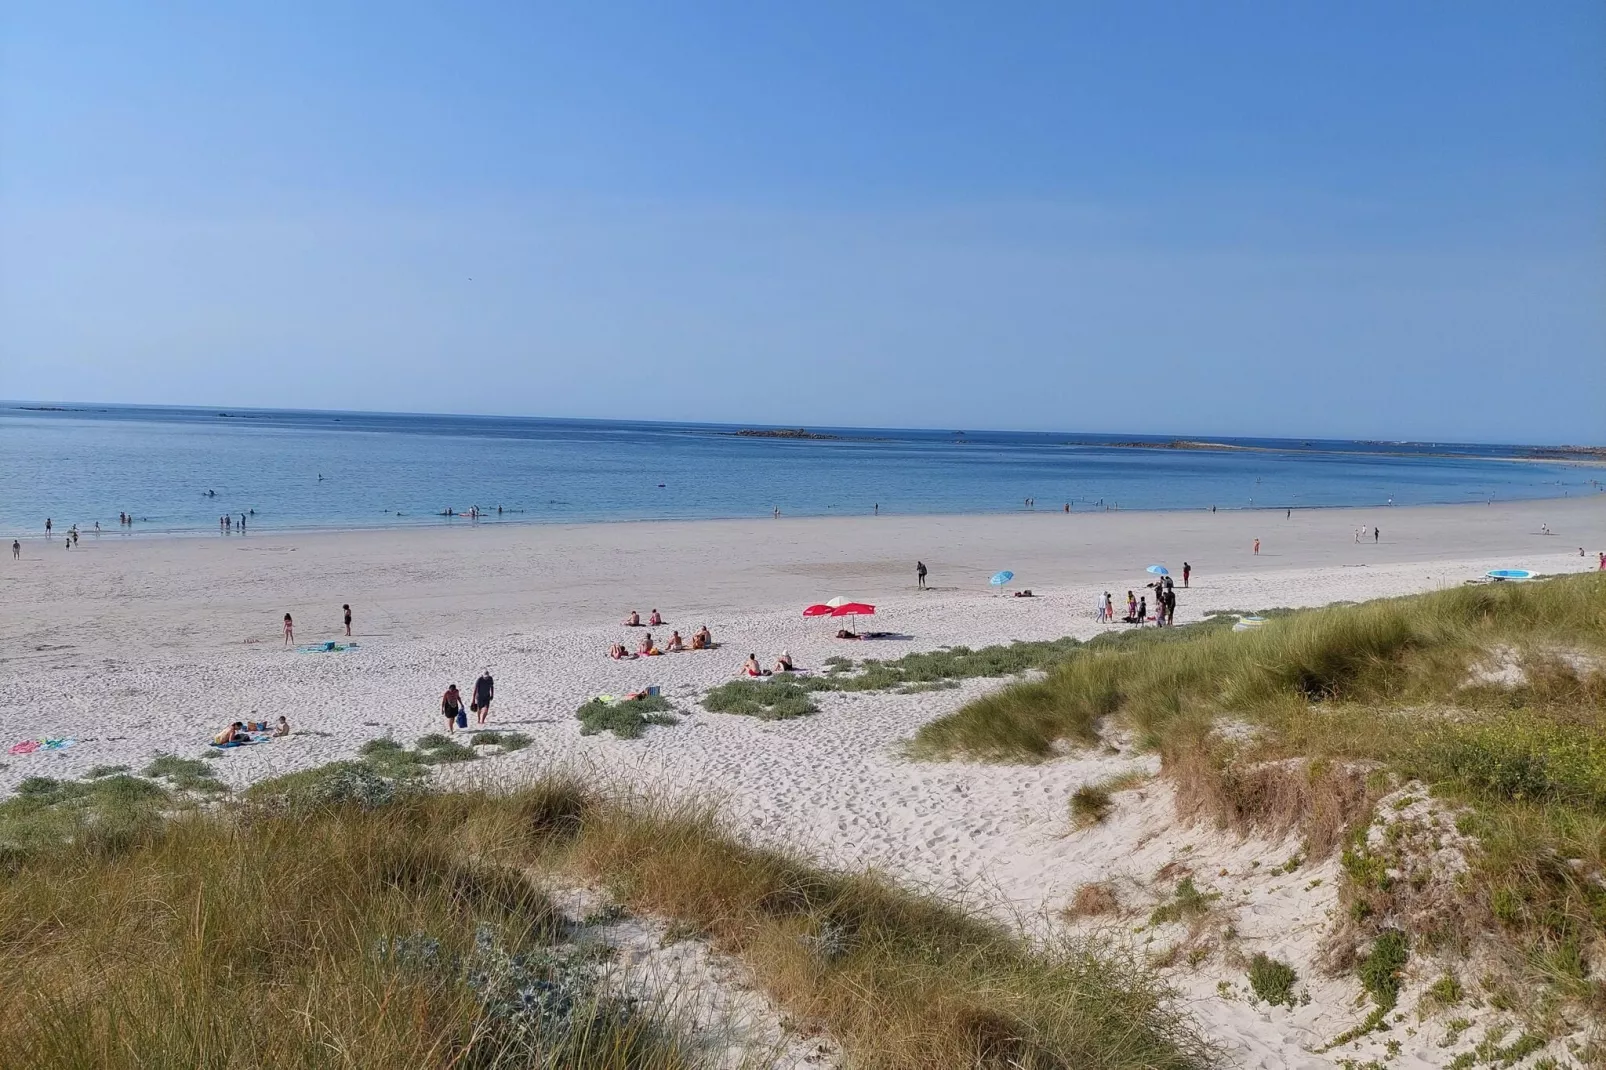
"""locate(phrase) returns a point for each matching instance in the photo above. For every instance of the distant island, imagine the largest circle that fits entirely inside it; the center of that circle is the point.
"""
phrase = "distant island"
(749, 432)
(1175, 444)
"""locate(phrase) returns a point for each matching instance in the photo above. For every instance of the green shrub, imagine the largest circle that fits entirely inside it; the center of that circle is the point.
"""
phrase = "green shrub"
(1380, 969)
(1272, 981)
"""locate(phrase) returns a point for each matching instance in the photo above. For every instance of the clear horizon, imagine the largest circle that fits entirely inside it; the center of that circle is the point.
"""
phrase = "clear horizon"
(1379, 222)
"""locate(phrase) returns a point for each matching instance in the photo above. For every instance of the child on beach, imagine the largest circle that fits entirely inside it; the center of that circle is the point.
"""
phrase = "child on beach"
(283, 728)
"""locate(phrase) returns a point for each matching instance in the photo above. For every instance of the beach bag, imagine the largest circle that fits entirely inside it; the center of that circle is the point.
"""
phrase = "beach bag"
(462, 718)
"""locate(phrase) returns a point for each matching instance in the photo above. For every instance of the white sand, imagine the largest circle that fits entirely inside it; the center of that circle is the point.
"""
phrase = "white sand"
(137, 646)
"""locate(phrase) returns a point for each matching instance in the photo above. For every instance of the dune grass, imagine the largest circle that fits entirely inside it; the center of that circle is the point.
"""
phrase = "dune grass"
(412, 930)
(351, 937)
(1334, 705)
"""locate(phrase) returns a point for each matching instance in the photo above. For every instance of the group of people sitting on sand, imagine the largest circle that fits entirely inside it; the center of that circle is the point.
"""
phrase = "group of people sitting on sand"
(634, 620)
(241, 732)
(783, 664)
(701, 639)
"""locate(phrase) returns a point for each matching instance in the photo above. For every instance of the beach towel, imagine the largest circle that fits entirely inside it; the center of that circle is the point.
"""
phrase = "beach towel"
(58, 744)
(330, 647)
(27, 746)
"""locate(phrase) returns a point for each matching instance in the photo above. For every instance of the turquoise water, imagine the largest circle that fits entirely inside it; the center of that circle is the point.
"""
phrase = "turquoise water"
(82, 464)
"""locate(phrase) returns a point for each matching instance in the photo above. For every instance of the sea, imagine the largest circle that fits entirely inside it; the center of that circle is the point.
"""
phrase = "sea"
(177, 470)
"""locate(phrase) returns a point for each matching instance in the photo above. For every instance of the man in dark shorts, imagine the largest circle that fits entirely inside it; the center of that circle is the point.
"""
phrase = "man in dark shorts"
(920, 574)
(484, 691)
(345, 608)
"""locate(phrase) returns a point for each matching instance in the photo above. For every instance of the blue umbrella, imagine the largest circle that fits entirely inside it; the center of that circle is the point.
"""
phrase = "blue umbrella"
(1159, 570)
(1001, 578)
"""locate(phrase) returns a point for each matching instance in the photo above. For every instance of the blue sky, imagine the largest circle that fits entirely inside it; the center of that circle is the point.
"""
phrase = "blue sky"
(1378, 220)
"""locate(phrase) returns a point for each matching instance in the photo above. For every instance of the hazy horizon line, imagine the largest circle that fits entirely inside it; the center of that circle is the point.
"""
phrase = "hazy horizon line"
(78, 405)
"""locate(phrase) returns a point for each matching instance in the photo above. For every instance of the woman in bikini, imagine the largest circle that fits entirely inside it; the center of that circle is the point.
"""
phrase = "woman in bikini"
(784, 663)
(289, 630)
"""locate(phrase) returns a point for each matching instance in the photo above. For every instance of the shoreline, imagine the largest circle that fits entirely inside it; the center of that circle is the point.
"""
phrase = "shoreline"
(460, 522)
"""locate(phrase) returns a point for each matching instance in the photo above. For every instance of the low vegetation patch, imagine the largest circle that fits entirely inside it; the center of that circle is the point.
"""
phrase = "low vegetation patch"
(185, 774)
(774, 699)
(1272, 981)
(408, 932)
(1093, 900)
(1092, 803)
(626, 718)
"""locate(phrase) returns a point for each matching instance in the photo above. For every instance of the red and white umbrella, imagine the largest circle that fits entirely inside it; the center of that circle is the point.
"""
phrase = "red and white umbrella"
(819, 610)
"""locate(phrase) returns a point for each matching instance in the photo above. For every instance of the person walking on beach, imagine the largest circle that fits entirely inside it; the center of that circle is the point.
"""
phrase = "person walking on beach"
(345, 609)
(1187, 570)
(16, 550)
(1376, 534)
(452, 708)
(289, 630)
(920, 575)
(484, 691)
(1257, 547)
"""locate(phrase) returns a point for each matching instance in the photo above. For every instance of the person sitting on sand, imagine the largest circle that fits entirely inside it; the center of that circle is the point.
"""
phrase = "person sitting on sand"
(647, 650)
(676, 644)
(752, 668)
(784, 663)
(843, 633)
(702, 638)
(452, 707)
(283, 728)
(618, 652)
(653, 619)
(235, 733)
(634, 620)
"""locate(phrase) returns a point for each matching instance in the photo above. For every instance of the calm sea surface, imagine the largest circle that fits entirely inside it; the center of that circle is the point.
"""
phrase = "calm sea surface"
(89, 463)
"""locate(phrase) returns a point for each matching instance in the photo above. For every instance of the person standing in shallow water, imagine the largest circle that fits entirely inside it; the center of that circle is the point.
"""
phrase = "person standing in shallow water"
(920, 575)
(1257, 547)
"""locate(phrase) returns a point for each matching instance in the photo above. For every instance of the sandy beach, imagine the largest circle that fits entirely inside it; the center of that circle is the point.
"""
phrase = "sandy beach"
(134, 647)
